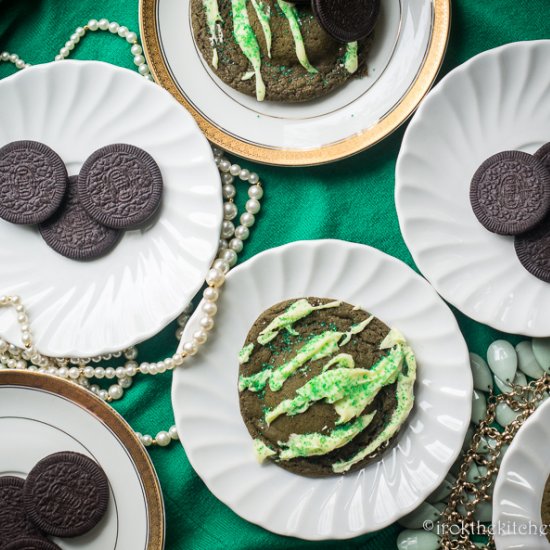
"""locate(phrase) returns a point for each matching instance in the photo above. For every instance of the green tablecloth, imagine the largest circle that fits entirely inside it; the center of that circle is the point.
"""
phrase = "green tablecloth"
(351, 200)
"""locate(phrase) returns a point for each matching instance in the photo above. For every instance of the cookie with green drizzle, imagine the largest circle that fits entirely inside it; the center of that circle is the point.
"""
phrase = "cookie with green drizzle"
(324, 386)
(273, 49)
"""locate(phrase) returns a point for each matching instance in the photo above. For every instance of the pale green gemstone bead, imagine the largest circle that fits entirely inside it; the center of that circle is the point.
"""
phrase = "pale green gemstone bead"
(483, 380)
(444, 490)
(468, 438)
(541, 349)
(505, 415)
(415, 520)
(520, 379)
(479, 407)
(440, 506)
(476, 473)
(485, 444)
(502, 386)
(527, 361)
(503, 360)
(417, 540)
(483, 512)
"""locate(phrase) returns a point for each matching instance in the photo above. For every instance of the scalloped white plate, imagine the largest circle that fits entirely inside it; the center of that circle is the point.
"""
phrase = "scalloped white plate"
(89, 308)
(496, 101)
(520, 485)
(206, 401)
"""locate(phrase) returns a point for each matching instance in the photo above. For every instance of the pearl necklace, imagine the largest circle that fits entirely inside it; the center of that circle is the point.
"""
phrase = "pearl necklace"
(81, 370)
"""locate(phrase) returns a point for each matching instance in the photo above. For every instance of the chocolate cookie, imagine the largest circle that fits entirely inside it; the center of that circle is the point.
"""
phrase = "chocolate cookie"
(347, 20)
(14, 523)
(319, 385)
(280, 52)
(533, 250)
(544, 154)
(73, 233)
(510, 193)
(32, 544)
(120, 186)
(33, 180)
(66, 494)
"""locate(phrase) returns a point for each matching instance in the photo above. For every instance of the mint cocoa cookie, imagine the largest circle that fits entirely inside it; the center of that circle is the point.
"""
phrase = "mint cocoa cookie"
(324, 386)
(274, 50)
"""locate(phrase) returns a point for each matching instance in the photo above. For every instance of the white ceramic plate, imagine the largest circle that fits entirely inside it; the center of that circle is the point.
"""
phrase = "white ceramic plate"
(520, 485)
(410, 42)
(206, 400)
(496, 101)
(88, 308)
(41, 415)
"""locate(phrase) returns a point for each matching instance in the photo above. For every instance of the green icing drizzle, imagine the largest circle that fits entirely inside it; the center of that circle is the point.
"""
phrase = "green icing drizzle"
(351, 59)
(264, 16)
(246, 39)
(296, 311)
(213, 18)
(349, 389)
(244, 354)
(262, 451)
(290, 12)
(315, 444)
(405, 401)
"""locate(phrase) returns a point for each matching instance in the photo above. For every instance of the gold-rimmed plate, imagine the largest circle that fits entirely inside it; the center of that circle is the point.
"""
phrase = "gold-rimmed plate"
(409, 46)
(40, 415)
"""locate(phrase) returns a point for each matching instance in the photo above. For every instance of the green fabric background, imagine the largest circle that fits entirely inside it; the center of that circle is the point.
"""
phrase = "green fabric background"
(351, 200)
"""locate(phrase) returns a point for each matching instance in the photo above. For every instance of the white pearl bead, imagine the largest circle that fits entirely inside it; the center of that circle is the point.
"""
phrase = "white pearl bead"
(248, 219)
(75, 38)
(230, 256)
(13, 58)
(120, 372)
(19, 63)
(209, 308)
(26, 338)
(103, 394)
(143, 69)
(228, 229)
(69, 45)
(122, 32)
(163, 439)
(244, 174)
(236, 245)
(130, 353)
(94, 388)
(147, 440)
(169, 363)
(136, 48)
(221, 264)
(225, 165)
(99, 373)
(131, 368)
(125, 383)
(211, 294)
(235, 170)
(131, 37)
(215, 278)
(64, 52)
(110, 373)
(149, 78)
(207, 323)
(255, 192)
(173, 431)
(190, 348)
(227, 179)
(242, 232)
(200, 337)
(139, 60)
(103, 24)
(153, 369)
(229, 191)
(5, 57)
(254, 178)
(252, 206)
(113, 27)
(89, 372)
(229, 210)
(115, 392)
(160, 367)
(74, 373)
(178, 359)
(20, 364)
(63, 372)
(80, 31)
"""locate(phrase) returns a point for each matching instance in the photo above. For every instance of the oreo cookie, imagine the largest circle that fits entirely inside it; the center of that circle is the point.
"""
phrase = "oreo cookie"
(73, 233)
(533, 250)
(347, 20)
(66, 494)
(544, 154)
(120, 186)
(33, 180)
(510, 192)
(14, 523)
(32, 544)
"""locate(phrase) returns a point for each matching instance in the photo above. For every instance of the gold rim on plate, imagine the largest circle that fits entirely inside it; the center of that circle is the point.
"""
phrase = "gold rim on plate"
(425, 78)
(110, 418)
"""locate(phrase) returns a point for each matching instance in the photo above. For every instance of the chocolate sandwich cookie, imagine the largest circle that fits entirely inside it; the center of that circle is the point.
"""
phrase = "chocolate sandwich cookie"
(510, 192)
(120, 186)
(347, 20)
(544, 155)
(274, 50)
(33, 180)
(32, 544)
(66, 494)
(14, 522)
(324, 386)
(533, 250)
(73, 233)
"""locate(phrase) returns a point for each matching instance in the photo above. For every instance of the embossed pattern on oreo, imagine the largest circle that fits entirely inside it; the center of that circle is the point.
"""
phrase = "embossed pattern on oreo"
(120, 186)
(33, 180)
(73, 233)
(66, 494)
(14, 523)
(533, 250)
(510, 192)
(544, 155)
(347, 20)
(32, 544)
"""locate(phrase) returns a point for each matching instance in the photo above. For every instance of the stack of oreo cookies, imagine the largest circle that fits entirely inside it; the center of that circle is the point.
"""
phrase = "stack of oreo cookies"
(81, 217)
(65, 495)
(510, 195)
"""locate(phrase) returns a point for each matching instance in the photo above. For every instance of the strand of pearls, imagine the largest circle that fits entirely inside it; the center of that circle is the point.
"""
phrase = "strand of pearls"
(8, 57)
(82, 370)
